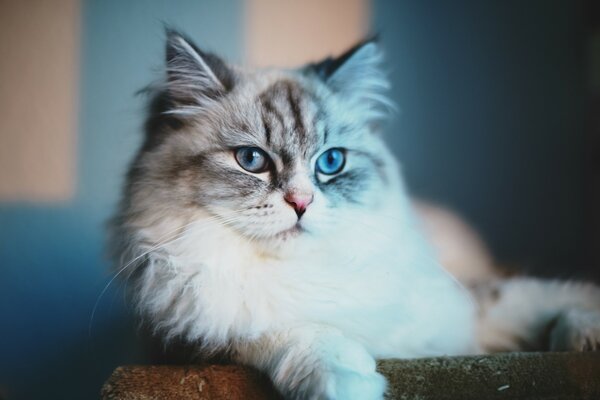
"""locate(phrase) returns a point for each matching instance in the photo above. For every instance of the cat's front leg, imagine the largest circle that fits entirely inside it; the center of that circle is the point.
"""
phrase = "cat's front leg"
(314, 363)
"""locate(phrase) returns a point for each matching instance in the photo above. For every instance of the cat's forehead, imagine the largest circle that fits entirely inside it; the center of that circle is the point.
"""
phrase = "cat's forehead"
(281, 112)
(289, 117)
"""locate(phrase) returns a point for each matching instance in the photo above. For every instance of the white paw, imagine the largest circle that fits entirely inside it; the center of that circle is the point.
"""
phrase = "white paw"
(350, 385)
(339, 369)
(351, 371)
(576, 330)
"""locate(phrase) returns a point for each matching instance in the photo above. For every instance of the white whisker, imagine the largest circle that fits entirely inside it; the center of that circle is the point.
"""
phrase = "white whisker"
(166, 239)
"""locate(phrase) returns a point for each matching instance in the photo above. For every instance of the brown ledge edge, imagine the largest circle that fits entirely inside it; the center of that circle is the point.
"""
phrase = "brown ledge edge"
(572, 376)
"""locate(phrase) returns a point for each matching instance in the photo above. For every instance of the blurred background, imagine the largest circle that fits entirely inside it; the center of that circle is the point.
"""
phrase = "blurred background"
(499, 120)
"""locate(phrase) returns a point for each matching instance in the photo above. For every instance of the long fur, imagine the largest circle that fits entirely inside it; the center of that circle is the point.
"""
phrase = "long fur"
(218, 258)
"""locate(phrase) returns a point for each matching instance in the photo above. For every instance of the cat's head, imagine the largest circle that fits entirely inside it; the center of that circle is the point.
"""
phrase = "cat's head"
(275, 155)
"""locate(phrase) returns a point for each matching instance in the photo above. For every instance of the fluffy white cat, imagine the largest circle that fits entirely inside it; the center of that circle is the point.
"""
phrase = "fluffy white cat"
(264, 217)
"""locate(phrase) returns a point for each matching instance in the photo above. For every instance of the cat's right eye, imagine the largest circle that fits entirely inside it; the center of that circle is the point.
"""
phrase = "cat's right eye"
(252, 159)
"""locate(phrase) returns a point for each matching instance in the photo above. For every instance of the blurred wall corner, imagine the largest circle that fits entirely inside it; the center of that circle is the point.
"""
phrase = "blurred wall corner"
(592, 15)
(39, 43)
(292, 33)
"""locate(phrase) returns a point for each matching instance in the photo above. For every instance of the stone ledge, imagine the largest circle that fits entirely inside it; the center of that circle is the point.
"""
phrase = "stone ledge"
(551, 376)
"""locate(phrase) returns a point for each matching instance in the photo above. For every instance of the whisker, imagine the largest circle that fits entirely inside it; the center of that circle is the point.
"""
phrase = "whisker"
(116, 275)
(166, 239)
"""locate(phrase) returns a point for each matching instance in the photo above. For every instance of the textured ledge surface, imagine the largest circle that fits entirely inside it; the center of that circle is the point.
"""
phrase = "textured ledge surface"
(500, 376)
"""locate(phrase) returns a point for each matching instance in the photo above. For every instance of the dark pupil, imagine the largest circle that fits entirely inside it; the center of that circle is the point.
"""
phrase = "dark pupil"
(250, 156)
(330, 158)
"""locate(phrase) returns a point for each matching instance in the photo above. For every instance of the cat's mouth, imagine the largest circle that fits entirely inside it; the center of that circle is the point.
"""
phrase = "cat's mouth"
(292, 232)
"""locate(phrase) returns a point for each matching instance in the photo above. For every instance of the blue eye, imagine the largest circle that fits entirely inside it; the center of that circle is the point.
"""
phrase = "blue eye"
(331, 161)
(252, 159)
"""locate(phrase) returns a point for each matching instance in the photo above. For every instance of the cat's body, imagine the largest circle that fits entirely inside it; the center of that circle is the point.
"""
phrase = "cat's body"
(265, 218)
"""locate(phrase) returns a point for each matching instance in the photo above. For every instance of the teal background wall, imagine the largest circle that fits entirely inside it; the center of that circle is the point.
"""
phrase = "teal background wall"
(52, 257)
(492, 120)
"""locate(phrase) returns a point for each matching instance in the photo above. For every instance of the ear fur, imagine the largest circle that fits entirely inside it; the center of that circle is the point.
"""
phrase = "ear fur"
(356, 75)
(194, 78)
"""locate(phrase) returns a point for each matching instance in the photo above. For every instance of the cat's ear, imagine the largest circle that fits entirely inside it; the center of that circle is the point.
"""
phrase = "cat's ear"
(356, 74)
(194, 77)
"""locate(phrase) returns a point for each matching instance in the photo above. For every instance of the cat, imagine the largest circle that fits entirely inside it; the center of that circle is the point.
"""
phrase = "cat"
(265, 218)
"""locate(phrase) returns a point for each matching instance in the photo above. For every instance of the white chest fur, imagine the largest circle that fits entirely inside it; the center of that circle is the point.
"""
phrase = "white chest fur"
(382, 288)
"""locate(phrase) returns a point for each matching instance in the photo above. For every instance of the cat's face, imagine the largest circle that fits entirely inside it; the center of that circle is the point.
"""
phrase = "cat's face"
(275, 155)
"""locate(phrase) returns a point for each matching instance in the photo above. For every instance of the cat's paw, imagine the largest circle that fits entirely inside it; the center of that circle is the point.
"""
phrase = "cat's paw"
(351, 385)
(340, 370)
(576, 330)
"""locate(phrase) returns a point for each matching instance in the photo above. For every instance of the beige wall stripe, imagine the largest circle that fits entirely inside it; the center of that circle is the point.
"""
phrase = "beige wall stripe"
(39, 43)
(288, 32)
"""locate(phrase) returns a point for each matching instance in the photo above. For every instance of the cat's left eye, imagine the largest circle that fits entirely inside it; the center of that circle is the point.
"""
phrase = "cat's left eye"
(331, 161)
(252, 159)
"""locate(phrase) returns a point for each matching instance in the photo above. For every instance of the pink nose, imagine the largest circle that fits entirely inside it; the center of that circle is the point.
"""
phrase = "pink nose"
(299, 201)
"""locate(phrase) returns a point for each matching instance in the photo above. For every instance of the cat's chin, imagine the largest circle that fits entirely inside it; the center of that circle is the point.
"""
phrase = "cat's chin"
(284, 242)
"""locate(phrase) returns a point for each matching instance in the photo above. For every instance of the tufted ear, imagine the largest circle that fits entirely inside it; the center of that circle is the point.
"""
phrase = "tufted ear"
(194, 78)
(356, 74)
